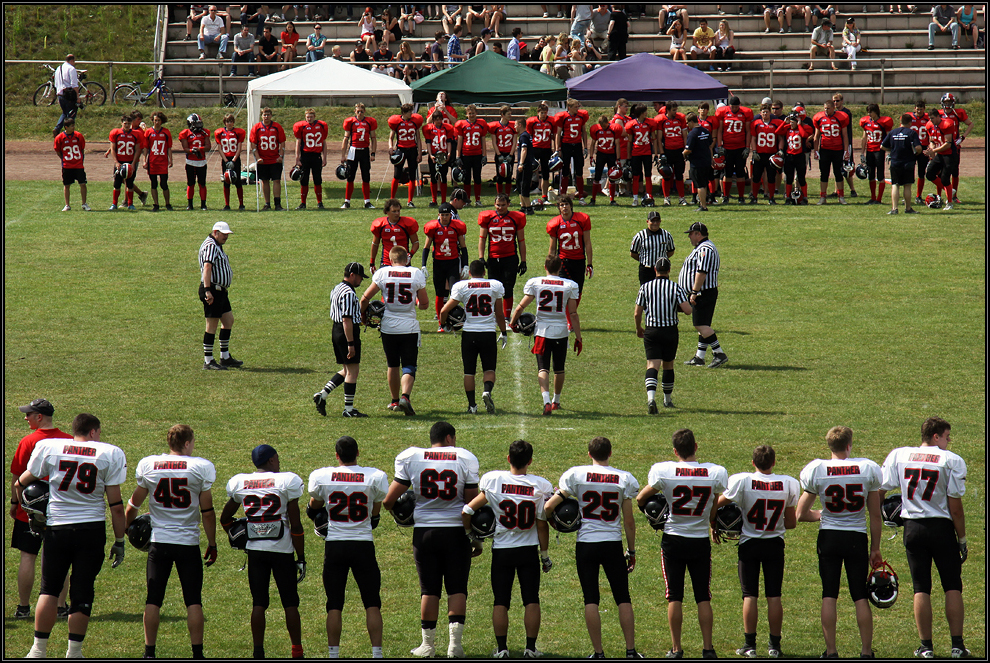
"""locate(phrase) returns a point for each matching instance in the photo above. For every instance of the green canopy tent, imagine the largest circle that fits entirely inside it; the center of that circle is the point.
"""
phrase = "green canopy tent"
(490, 78)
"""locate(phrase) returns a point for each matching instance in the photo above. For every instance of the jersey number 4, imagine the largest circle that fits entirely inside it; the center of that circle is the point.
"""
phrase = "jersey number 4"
(479, 305)
(757, 515)
(172, 493)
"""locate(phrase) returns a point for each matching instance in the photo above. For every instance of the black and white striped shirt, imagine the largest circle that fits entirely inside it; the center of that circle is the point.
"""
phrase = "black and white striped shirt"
(651, 246)
(211, 252)
(660, 298)
(344, 303)
(704, 258)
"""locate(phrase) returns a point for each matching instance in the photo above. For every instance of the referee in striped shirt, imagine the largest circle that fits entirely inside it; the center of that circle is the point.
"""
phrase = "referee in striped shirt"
(660, 298)
(345, 311)
(699, 276)
(649, 245)
(214, 281)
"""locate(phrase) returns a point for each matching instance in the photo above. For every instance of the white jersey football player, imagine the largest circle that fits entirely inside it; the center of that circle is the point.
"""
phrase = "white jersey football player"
(521, 543)
(443, 478)
(932, 480)
(558, 298)
(691, 490)
(84, 476)
(274, 530)
(482, 299)
(768, 502)
(180, 486)
(351, 495)
(605, 495)
(403, 287)
(848, 489)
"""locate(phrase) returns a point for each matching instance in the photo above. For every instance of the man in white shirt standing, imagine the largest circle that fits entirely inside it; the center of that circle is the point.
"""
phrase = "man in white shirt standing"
(213, 29)
(67, 88)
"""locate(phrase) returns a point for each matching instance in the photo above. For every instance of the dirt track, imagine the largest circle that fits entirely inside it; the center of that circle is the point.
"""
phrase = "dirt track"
(98, 169)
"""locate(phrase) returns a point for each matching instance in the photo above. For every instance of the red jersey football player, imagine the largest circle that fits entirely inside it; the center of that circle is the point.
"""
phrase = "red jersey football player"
(831, 145)
(944, 154)
(619, 120)
(763, 142)
(570, 240)
(472, 150)
(196, 144)
(126, 145)
(70, 146)
(603, 146)
(794, 137)
(875, 129)
(959, 116)
(919, 122)
(404, 139)
(540, 129)
(268, 146)
(158, 157)
(358, 150)
(311, 155)
(230, 140)
(441, 137)
(734, 123)
(503, 135)
(503, 234)
(446, 236)
(672, 131)
(640, 131)
(391, 230)
(572, 143)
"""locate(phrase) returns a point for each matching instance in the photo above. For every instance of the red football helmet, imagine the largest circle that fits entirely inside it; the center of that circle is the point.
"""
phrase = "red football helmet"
(933, 201)
(948, 100)
(777, 161)
(718, 163)
(800, 111)
(502, 170)
(614, 174)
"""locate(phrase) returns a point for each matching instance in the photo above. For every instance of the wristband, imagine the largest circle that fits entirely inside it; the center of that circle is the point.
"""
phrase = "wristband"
(299, 534)
(962, 539)
(544, 554)
(350, 343)
(132, 504)
(631, 552)
(206, 510)
(119, 539)
(467, 510)
(110, 506)
(15, 503)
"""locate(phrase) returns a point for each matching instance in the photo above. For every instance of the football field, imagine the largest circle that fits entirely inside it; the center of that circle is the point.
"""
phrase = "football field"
(829, 315)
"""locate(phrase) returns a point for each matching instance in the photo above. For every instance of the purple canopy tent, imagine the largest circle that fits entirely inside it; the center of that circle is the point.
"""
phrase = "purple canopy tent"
(646, 77)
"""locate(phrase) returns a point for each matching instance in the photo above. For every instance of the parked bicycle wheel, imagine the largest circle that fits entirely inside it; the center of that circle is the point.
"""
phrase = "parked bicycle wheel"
(94, 94)
(166, 98)
(126, 95)
(45, 95)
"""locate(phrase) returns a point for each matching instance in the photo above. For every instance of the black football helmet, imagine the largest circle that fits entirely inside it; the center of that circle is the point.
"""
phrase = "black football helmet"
(295, 174)
(237, 534)
(194, 121)
(566, 518)
(933, 201)
(230, 174)
(456, 318)
(396, 157)
(657, 511)
(483, 522)
(525, 325)
(321, 521)
(341, 172)
(890, 511)
(728, 521)
(139, 532)
(401, 175)
(627, 173)
(457, 176)
(376, 311)
(861, 172)
(404, 510)
(881, 586)
(34, 500)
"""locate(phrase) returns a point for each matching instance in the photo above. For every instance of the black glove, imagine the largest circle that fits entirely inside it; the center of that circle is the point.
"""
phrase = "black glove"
(546, 562)
(300, 571)
(522, 268)
(459, 162)
(374, 521)
(117, 553)
(312, 512)
(963, 551)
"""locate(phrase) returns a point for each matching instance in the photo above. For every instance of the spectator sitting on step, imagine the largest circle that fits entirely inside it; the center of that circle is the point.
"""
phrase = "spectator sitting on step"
(213, 30)
(943, 20)
(316, 44)
(580, 21)
(451, 17)
(769, 11)
(670, 13)
(289, 38)
(798, 11)
(966, 16)
(360, 53)
(725, 47)
(703, 41)
(476, 13)
(267, 50)
(599, 22)
(591, 54)
(336, 53)
(821, 44)
(196, 14)
(677, 36)
(255, 14)
(405, 67)
(496, 16)
(407, 19)
(390, 33)
(383, 57)
(367, 26)
(821, 12)
(496, 47)
(852, 42)
(243, 50)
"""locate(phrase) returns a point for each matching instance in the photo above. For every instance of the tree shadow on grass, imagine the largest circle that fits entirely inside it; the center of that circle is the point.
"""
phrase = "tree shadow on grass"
(134, 617)
(756, 367)
(285, 370)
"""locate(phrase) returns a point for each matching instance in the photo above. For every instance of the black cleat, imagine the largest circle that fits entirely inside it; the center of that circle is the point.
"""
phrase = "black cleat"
(213, 366)
(489, 403)
(266, 208)
(226, 208)
(695, 361)
(320, 400)
(354, 413)
(652, 405)
(189, 207)
(368, 205)
(241, 208)
(346, 205)
(279, 208)
(169, 207)
(302, 206)
(718, 360)
(230, 362)
(23, 612)
(320, 206)
(433, 204)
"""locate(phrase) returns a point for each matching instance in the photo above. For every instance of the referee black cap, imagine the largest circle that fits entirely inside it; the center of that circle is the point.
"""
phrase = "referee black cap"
(355, 268)
(653, 215)
(662, 265)
(700, 227)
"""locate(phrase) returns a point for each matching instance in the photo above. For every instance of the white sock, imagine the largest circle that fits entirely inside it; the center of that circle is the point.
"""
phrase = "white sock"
(456, 631)
(667, 398)
(40, 647)
(224, 354)
(75, 649)
(429, 635)
(556, 398)
(376, 652)
(333, 652)
(367, 200)
(651, 395)
(546, 397)
(347, 200)
(700, 354)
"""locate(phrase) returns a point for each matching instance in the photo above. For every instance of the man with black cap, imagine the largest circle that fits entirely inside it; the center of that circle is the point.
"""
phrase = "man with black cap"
(271, 504)
(345, 311)
(215, 279)
(699, 277)
(649, 245)
(660, 299)
(38, 414)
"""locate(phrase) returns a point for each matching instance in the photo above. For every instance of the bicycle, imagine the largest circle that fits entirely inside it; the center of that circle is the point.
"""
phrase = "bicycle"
(91, 93)
(131, 93)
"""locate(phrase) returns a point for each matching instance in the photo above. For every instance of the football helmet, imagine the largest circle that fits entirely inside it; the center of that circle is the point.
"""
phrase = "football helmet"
(295, 174)
(341, 172)
(502, 170)
(441, 158)
(801, 112)
(933, 201)
(457, 176)
(194, 121)
(728, 521)
(456, 319)
(124, 170)
(401, 175)
(718, 163)
(404, 509)
(566, 518)
(948, 100)
(253, 167)
(525, 325)
(321, 522)
(237, 534)
(503, 158)
(627, 173)
(34, 500)
(656, 511)
(556, 163)
(848, 166)
(376, 311)
(465, 273)
(139, 532)
(483, 522)
(890, 511)
(777, 161)
(614, 174)
(396, 157)
(230, 174)
(664, 168)
(881, 585)
(861, 172)
(796, 194)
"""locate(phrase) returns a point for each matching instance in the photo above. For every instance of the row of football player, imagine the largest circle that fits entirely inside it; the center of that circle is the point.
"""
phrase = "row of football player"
(345, 502)
(733, 129)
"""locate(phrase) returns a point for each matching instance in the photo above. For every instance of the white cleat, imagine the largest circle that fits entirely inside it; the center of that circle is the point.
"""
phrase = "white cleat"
(424, 651)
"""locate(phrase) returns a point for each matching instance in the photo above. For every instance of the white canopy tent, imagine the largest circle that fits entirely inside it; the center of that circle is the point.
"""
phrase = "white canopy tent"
(324, 78)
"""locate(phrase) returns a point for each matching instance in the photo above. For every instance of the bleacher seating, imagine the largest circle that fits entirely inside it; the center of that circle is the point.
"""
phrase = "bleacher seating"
(900, 39)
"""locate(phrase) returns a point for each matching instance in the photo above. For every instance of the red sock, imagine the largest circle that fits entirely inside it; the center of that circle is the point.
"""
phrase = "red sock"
(438, 303)
(366, 190)
(880, 187)
(412, 187)
(226, 195)
(564, 182)
(297, 651)
(433, 191)
(804, 191)
(579, 183)
(202, 192)
(635, 186)
(754, 187)
(741, 188)
(955, 183)
(477, 191)
(498, 188)
(611, 190)
(679, 185)
(189, 193)
(649, 186)
(303, 192)
(507, 306)
(129, 197)
(394, 188)
(921, 186)
(443, 192)
(240, 195)
(772, 186)
(873, 190)
(116, 195)
(348, 190)
(665, 185)
(938, 185)
(839, 191)
(948, 193)
(595, 189)
(725, 188)
(318, 190)
(787, 190)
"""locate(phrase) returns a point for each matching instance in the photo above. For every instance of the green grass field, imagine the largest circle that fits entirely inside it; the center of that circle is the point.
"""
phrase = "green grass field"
(834, 315)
